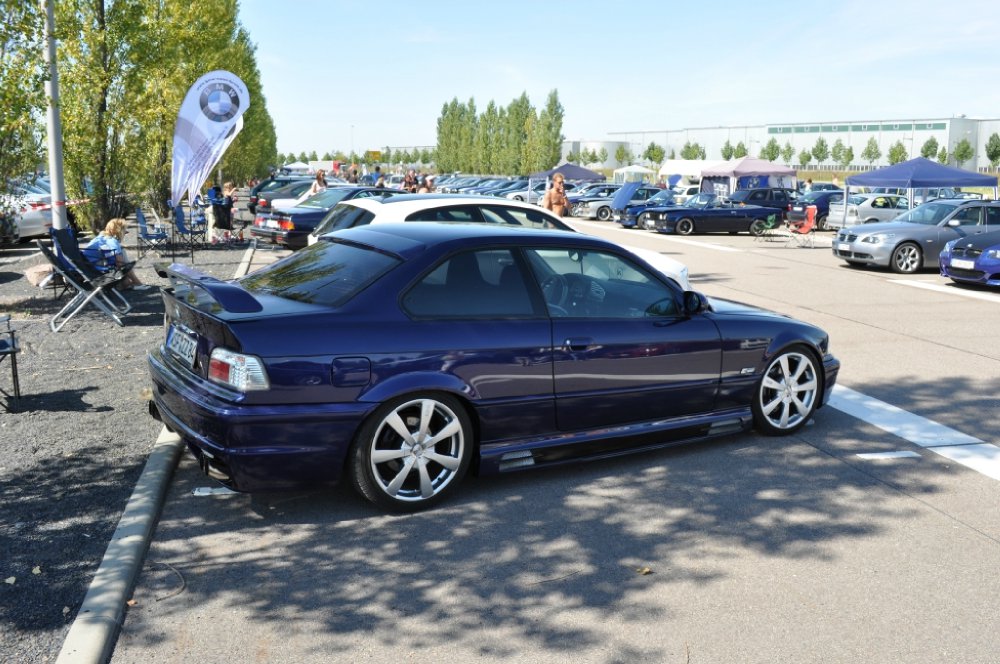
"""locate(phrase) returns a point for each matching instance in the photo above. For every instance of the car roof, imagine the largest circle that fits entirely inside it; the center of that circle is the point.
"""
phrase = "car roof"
(402, 237)
(404, 204)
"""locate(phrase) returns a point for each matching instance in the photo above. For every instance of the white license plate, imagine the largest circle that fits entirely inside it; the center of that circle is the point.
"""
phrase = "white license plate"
(843, 246)
(270, 223)
(963, 263)
(797, 208)
(183, 344)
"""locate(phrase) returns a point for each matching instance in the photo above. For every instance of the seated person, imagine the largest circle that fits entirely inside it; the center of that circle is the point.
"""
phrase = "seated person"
(108, 244)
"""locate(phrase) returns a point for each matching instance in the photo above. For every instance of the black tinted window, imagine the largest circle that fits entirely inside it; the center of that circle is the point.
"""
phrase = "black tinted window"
(465, 213)
(328, 273)
(344, 216)
(472, 284)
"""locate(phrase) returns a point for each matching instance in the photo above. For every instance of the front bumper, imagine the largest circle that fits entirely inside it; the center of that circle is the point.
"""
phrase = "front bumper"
(983, 271)
(252, 447)
(849, 248)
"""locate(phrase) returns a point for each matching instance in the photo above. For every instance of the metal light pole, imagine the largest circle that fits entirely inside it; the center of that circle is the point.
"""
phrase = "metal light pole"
(59, 219)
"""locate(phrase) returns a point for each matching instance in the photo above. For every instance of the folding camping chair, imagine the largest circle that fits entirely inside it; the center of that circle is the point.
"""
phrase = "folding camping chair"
(89, 285)
(149, 240)
(191, 236)
(66, 244)
(9, 348)
(804, 234)
(763, 229)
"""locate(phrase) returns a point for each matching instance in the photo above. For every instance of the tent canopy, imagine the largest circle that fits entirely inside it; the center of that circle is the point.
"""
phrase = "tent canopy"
(690, 168)
(920, 173)
(632, 173)
(570, 172)
(747, 166)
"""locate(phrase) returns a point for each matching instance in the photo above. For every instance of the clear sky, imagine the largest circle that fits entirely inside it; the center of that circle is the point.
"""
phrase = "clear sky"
(362, 75)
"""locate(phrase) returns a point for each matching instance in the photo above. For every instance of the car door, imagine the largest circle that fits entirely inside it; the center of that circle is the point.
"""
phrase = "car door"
(719, 217)
(622, 351)
(970, 222)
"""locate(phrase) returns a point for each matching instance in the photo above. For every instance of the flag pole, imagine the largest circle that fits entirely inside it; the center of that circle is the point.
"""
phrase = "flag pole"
(59, 219)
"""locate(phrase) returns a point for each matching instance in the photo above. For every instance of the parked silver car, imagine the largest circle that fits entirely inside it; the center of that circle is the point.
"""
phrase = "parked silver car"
(916, 238)
(866, 209)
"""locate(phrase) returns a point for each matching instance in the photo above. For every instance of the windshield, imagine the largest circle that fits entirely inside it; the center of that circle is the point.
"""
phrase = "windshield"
(665, 196)
(325, 200)
(699, 201)
(928, 214)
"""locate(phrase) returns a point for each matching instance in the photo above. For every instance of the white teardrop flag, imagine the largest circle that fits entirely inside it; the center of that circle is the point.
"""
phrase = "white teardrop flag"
(209, 119)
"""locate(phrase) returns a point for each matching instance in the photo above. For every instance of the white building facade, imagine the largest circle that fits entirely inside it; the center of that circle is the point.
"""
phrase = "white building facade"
(913, 134)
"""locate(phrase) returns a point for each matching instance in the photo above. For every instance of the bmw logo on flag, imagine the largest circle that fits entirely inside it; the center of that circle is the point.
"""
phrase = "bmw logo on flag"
(219, 102)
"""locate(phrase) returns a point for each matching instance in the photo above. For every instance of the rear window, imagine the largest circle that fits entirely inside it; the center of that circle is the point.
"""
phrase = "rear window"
(344, 215)
(327, 273)
(739, 196)
(326, 199)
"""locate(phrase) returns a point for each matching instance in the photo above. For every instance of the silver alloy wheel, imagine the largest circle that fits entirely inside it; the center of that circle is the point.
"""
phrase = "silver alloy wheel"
(417, 450)
(787, 394)
(684, 227)
(644, 222)
(906, 258)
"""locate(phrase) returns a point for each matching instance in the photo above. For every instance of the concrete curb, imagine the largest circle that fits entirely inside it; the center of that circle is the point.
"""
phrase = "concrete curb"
(93, 634)
(245, 262)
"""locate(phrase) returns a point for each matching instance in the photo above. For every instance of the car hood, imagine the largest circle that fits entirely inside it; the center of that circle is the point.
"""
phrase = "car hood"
(982, 241)
(889, 227)
(731, 308)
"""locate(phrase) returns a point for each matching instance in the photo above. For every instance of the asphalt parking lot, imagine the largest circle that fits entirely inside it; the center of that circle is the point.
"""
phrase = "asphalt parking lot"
(871, 535)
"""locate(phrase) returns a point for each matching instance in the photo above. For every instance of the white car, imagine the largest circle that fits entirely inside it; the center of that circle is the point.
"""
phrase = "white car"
(468, 209)
(866, 209)
(32, 214)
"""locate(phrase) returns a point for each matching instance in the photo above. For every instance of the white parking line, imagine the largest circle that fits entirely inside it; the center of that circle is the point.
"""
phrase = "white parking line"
(663, 236)
(954, 445)
(950, 290)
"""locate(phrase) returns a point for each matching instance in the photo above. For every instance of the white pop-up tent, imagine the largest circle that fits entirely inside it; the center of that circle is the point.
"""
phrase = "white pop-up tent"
(633, 173)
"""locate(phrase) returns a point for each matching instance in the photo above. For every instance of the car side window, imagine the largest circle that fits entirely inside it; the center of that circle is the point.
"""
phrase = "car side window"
(757, 196)
(969, 216)
(487, 283)
(464, 213)
(902, 204)
(993, 216)
(595, 284)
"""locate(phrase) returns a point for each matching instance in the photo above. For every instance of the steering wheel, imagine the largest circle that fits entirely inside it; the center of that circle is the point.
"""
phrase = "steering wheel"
(555, 289)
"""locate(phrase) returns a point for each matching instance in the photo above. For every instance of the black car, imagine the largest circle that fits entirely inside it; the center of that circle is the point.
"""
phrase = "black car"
(778, 198)
(291, 226)
(273, 183)
(290, 190)
(821, 199)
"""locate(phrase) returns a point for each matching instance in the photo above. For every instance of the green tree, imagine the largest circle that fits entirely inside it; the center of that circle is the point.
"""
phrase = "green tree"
(837, 152)
(805, 157)
(515, 135)
(820, 151)
(590, 156)
(727, 150)
(573, 157)
(771, 150)
(303, 156)
(993, 149)
(788, 153)
(623, 155)
(897, 153)
(549, 127)
(942, 156)
(602, 156)
(740, 151)
(654, 153)
(963, 152)
(929, 148)
(532, 152)
(488, 140)
(692, 151)
(21, 101)
(328, 156)
(871, 153)
(313, 156)
(848, 157)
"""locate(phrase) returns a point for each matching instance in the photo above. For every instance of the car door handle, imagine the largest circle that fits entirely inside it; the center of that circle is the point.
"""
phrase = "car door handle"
(578, 343)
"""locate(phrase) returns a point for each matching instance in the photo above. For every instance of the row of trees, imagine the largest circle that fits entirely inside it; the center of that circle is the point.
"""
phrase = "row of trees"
(388, 156)
(515, 139)
(840, 154)
(124, 68)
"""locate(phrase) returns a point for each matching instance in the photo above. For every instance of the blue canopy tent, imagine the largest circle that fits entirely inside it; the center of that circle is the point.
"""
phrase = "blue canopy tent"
(919, 173)
(570, 172)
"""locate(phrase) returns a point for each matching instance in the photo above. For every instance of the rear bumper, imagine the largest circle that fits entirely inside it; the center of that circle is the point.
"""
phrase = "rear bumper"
(255, 447)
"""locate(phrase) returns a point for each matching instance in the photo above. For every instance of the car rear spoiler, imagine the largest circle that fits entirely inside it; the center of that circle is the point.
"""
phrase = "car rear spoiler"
(228, 295)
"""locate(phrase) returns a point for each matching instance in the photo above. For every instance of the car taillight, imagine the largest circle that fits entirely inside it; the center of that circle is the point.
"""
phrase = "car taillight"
(238, 371)
(262, 203)
(286, 224)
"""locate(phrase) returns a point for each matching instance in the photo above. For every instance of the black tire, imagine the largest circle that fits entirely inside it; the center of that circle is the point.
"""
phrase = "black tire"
(642, 222)
(758, 227)
(407, 475)
(788, 392)
(684, 227)
(821, 223)
(906, 258)
(518, 198)
(603, 213)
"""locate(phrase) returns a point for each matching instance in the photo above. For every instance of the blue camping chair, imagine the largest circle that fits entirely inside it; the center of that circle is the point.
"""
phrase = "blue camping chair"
(190, 236)
(149, 240)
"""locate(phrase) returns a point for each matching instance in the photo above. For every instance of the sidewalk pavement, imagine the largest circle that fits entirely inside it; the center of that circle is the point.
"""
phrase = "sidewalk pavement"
(92, 636)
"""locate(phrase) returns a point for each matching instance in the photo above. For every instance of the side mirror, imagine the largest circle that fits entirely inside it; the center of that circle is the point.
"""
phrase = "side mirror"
(954, 223)
(694, 303)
